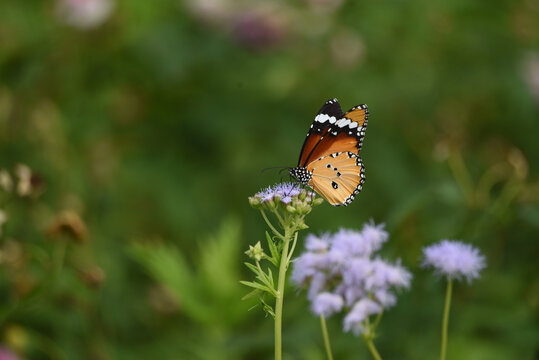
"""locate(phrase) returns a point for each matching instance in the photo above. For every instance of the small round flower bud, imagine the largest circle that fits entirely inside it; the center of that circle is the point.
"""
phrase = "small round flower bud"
(318, 201)
(290, 209)
(255, 202)
(302, 226)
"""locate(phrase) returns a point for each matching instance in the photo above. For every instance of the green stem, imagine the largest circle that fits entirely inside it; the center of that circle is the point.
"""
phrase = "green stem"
(462, 176)
(279, 300)
(59, 257)
(270, 225)
(446, 318)
(293, 247)
(372, 348)
(283, 223)
(377, 320)
(326, 337)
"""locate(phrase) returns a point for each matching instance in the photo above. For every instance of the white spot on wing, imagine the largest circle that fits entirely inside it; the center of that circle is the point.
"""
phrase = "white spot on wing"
(321, 118)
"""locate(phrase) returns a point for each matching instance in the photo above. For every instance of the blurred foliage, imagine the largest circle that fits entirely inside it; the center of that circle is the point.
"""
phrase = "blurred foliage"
(145, 127)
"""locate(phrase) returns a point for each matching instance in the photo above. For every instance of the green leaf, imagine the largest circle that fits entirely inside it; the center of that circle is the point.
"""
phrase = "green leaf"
(252, 268)
(275, 256)
(257, 286)
(252, 294)
(270, 277)
(268, 309)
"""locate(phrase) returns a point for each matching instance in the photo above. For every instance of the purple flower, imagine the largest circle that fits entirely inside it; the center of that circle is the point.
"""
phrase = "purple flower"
(385, 275)
(341, 270)
(454, 259)
(374, 235)
(284, 191)
(327, 304)
(317, 244)
(258, 30)
(306, 266)
(318, 285)
(363, 243)
(361, 310)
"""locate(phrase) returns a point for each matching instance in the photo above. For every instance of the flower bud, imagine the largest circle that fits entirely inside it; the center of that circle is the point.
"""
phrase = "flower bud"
(290, 209)
(93, 276)
(256, 252)
(255, 202)
(318, 201)
(68, 223)
(302, 226)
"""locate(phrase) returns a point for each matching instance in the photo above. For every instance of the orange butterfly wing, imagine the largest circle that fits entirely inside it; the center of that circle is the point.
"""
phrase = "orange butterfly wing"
(345, 135)
(337, 177)
(329, 160)
(328, 114)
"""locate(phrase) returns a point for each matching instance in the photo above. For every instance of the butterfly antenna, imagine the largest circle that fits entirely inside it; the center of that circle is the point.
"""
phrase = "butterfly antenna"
(274, 167)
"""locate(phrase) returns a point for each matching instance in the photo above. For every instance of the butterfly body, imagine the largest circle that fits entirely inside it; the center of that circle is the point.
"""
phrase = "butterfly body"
(329, 160)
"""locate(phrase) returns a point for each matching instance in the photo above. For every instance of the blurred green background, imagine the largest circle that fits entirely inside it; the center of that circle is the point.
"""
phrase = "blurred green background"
(143, 126)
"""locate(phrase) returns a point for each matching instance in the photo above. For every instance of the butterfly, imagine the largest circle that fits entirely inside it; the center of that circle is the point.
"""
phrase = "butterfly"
(329, 160)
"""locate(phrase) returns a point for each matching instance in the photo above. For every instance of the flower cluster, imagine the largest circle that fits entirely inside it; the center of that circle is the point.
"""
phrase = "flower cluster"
(290, 195)
(454, 259)
(342, 272)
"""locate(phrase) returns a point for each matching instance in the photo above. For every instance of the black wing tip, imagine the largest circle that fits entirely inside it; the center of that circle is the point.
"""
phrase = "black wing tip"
(360, 106)
(331, 101)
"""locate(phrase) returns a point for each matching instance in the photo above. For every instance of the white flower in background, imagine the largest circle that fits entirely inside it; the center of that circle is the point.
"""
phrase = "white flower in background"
(3, 219)
(24, 173)
(6, 183)
(84, 14)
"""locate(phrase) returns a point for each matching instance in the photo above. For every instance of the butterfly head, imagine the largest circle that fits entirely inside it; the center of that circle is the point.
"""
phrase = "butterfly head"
(301, 174)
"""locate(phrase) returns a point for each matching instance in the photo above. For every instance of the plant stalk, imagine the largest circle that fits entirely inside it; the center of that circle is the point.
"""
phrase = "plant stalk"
(326, 337)
(446, 318)
(279, 299)
(372, 348)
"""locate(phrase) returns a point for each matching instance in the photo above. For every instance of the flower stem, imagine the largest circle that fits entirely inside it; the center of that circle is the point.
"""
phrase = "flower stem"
(326, 337)
(279, 300)
(372, 348)
(446, 318)
(293, 247)
(270, 225)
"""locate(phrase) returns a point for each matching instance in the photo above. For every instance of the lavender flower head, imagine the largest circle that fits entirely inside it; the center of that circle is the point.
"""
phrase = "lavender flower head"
(454, 259)
(286, 196)
(327, 304)
(342, 272)
(285, 192)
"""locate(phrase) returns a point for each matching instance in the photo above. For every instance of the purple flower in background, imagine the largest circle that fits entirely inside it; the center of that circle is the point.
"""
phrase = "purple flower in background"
(359, 313)
(360, 243)
(454, 259)
(327, 304)
(342, 274)
(6, 354)
(259, 30)
(317, 244)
